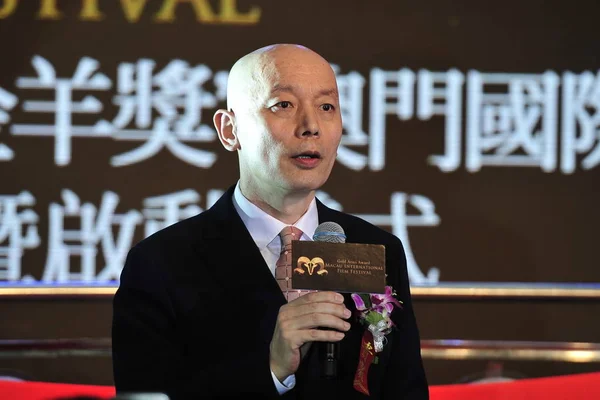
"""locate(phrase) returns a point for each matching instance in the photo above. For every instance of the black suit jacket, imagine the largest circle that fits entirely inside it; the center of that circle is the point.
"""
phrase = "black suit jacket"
(196, 308)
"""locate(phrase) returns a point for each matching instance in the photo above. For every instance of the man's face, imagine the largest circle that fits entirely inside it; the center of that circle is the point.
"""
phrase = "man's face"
(291, 128)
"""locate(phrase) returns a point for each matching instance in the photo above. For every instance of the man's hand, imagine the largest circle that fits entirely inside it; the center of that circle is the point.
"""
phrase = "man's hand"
(298, 323)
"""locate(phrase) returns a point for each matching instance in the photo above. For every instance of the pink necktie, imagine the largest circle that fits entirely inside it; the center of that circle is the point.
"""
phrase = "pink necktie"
(283, 266)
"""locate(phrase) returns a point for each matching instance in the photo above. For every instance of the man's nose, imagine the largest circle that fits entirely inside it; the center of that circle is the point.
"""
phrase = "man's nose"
(308, 124)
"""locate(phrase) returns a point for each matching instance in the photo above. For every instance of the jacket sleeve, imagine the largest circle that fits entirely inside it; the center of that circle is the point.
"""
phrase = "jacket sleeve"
(405, 376)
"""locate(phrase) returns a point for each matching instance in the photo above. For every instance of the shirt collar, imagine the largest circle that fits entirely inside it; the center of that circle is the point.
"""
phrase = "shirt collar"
(264, 228)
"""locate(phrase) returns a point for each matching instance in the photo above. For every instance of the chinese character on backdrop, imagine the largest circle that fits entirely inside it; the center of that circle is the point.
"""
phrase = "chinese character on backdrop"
(164, 110)
(63, 107)
(7, 102)
(391, 92)
(350, 88)
(440, 93)
(18, 231)
(98, 229)
(580, 120)
(165, 210)
(512, 120)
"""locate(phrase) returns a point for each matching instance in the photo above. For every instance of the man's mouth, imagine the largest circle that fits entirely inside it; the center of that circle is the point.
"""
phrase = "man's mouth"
(308, 155)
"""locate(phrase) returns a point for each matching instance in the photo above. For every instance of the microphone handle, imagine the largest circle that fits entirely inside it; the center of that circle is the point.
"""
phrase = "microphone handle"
(329, 359)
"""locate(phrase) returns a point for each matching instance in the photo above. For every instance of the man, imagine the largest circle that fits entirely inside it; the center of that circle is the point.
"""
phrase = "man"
(198, 313)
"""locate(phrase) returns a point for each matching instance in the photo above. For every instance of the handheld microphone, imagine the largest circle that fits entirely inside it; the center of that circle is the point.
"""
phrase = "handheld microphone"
(328, 351)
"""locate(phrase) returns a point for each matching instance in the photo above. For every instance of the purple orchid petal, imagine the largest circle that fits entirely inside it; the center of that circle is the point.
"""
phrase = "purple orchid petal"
(358, 302)
(388, 291)
(397, 303)
(378, 309)
(389, 307)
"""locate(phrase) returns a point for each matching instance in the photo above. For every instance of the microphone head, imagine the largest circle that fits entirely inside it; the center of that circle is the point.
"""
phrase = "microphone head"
(329, 232)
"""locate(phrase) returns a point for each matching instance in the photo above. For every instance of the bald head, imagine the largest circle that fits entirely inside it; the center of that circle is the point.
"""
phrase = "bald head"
(252, 75)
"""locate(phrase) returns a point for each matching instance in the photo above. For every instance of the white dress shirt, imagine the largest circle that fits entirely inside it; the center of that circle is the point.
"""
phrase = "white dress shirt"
(265, 229)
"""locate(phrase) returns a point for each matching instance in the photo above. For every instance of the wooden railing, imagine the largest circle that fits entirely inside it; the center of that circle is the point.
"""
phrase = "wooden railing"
(447, 291)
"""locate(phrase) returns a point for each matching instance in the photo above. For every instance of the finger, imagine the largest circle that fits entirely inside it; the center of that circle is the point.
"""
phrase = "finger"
(318, 335)
(316, 320)
(318, 297)
(300, 338)
(338, 310)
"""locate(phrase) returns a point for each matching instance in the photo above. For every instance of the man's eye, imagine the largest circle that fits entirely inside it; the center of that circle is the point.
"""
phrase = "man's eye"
(282, 105)
(327, 107)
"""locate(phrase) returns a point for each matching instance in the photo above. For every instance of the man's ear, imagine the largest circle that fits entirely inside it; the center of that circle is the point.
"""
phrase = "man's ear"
(225, 125)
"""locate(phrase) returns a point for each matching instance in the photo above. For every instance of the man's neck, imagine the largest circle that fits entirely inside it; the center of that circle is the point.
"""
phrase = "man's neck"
(287, 208)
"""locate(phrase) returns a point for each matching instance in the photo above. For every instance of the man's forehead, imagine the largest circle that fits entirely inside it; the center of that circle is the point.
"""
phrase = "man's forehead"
(293, 69)
(295, 74)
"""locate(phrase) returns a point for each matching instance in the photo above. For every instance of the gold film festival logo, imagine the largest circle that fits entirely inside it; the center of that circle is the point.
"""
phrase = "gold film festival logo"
(226, 12)
(310, 265)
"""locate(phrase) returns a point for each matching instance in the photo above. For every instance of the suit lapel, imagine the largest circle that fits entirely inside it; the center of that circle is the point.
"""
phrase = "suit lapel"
(236, 261)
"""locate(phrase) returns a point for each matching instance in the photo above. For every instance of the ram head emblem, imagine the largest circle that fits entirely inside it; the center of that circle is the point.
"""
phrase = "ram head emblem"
(310, 265)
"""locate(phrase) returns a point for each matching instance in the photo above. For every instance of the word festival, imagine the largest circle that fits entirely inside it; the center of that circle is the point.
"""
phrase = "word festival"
(226, 13)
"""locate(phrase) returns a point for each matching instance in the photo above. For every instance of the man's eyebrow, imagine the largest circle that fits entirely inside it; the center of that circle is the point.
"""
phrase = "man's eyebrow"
(329, 92)
(282, 88)
(290, 89)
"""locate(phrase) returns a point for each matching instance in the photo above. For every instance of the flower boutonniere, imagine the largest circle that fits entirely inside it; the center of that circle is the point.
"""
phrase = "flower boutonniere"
(374, 312)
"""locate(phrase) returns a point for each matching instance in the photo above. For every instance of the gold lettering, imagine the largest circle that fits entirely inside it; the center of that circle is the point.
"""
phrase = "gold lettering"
(48, 10)
(133, 9)
(90, 11)
(230, 15)
(202, 8)
(8, 8)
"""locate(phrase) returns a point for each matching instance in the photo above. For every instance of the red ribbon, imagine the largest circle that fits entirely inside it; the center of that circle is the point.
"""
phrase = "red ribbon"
(365, 359)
